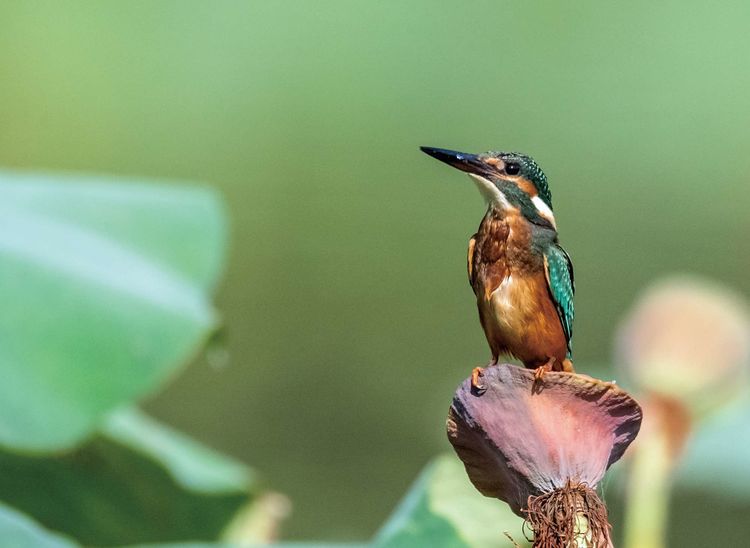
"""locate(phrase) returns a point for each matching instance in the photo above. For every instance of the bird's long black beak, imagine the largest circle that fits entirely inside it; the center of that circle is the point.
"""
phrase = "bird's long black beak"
(469, 163)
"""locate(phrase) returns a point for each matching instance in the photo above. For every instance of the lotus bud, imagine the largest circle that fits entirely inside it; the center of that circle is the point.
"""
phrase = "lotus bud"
(687, 340)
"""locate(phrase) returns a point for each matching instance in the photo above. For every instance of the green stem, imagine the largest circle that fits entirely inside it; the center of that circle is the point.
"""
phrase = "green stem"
(583, 536)
(647, 497)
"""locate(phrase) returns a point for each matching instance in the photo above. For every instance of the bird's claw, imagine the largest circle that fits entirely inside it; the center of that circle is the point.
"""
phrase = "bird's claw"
(539, 373)
(542, 369)
(475, 384)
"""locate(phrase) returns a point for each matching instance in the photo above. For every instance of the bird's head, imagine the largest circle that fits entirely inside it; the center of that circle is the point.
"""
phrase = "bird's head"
(507, 180)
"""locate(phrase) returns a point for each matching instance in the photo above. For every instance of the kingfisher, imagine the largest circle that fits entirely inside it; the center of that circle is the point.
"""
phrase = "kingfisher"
(521, 276)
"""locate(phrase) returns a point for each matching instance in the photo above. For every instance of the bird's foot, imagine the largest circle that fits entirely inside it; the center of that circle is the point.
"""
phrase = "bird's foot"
(542, 369)
(539, 373)
(475, 384)
(477, 373)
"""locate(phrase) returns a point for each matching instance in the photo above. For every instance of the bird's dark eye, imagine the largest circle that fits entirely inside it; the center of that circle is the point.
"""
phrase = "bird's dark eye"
(512, 168)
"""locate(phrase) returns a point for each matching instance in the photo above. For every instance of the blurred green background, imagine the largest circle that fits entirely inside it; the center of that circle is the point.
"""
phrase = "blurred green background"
(348, 317)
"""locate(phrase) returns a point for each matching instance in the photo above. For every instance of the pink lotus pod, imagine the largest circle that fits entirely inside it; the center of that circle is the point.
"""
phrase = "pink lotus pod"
(522, 438)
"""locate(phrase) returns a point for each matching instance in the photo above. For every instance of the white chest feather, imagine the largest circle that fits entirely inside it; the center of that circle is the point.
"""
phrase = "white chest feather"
(503, 300)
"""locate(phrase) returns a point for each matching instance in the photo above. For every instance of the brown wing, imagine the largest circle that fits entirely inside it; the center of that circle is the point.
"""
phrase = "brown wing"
(470, 259)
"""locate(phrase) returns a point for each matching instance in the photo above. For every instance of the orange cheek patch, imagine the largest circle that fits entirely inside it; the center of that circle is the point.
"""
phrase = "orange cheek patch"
(527, 186)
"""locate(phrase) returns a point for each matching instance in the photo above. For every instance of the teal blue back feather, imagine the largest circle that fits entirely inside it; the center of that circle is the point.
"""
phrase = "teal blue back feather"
(562, 287)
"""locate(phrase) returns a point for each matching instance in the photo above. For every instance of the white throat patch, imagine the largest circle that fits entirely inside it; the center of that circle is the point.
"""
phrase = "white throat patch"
(544, 210)
(490, 192)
